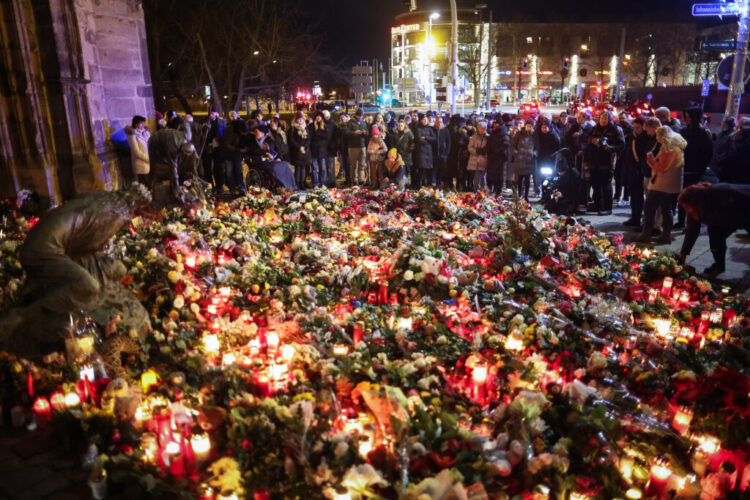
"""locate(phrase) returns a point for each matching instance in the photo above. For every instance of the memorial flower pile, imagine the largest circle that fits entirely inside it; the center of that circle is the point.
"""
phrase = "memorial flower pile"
(356, 344)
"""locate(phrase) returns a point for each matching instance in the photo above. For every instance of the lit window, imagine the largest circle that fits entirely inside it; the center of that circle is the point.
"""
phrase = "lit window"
(529, 40)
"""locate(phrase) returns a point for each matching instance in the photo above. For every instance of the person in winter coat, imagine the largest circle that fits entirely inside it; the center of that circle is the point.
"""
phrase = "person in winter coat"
(478, 147)
(320, 136)
(231, 145)
(299, 151)
(403, 140)
(523, 147)
(664, 115)
(465, 177)
(443, 148)
(376, 150)
(213, 166)
(547, 143)
(733, 166)
(343, 148)
(723, 207)
(697, 153)
(632, 170)
(332, 149)
(605, 143)
(138, 136)
(723, 142)
(357, 134)
(394, 170)
(459, 142)
(665, 184)
(497, 156)
(622, 185)
(423, 159)
(278, 136)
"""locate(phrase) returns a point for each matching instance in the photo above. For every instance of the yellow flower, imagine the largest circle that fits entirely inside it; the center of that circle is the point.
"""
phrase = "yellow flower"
(173, 276)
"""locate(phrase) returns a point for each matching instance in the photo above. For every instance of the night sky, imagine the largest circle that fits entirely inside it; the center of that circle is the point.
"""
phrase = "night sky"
(359, 29)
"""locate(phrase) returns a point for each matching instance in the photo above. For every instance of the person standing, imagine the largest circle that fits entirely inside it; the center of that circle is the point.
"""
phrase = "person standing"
(343, 148)
(138, 136)
(733, 166)
(213, 168)
(576, 138)
(231, 153)
(423, 161)
(723, 142)
(319, 139)
(665, 184)
(664, 115)
(478, 156)
(622, 187)
(376, 150)
(332, 149)
(547, 143)
(497, 156)
(697, 153)
(443, 148)
(523, 147)
(631, 165)
(403, 141)
(357, 137)
(299, 150)
(605, 142)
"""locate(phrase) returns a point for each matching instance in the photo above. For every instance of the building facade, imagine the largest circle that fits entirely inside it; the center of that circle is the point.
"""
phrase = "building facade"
(71, 73)
(555, 61)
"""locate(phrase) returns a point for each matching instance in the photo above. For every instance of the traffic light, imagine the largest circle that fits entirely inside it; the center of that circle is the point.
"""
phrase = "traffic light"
(566, 62)
(525, 63)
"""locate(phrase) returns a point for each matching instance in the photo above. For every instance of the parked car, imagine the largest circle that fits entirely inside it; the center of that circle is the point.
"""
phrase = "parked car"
(529, 110)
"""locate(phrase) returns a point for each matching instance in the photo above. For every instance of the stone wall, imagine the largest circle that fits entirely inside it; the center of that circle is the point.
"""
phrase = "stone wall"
(84, 67)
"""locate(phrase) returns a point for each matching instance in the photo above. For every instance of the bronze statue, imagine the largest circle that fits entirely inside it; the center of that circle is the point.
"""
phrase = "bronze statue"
(70, 270)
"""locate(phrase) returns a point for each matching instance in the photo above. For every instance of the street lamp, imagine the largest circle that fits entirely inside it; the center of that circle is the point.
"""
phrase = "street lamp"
(257, 52)
(430, 46)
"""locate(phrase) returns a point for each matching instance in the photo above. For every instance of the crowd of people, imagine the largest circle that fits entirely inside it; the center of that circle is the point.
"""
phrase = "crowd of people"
(590, 162)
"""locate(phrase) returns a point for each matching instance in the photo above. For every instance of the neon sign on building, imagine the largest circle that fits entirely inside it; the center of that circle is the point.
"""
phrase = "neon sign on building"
(405, 28)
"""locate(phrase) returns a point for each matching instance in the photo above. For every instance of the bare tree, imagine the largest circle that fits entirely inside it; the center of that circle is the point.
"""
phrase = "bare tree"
(472, 65)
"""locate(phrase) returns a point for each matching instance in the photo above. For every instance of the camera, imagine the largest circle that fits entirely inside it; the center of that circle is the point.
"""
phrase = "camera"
(604, 142)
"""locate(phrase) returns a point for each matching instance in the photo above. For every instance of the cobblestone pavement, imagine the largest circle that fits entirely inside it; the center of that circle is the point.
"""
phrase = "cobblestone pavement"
(737, 274)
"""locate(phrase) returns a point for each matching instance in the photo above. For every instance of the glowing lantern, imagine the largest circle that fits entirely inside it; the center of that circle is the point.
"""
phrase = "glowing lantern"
(287, 352)
(211, 343)
(479, 373)
(660, 472)
(514, 342)
(662, 326)
(666, 286)
(272, 340)
(633, 494)
(703, 325)
(681, 420)
(149, 446)
(228, 359)
(42, 409)
(72, 400)
(404, 324)
(708, 444)
(340, 350)
(190, 261)
(652, 294)
(684, 297)
(57, 400)
(716, 316)
(201, 445)
(142, 413)
(149, 378)
(87, 372)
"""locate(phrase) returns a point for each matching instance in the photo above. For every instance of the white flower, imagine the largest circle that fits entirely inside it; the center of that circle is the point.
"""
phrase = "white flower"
(597, 362)
(578, 391)
(408, 275)
(361, 477)
(341, 448)
(537, 426)
(304, 410)
(178, 302)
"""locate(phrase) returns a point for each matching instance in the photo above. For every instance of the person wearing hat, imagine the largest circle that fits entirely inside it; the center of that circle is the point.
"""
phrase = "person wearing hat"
(394, 170)
(343, 148)
(424, 140)
(376, 150)
(213, 171)
(497, 156)
(259, 148)
(357, 136)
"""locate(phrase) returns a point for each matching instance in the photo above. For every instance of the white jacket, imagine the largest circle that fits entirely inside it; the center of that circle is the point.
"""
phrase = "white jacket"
(138, 142)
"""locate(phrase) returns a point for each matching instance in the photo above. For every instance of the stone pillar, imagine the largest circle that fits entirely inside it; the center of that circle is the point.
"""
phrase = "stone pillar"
(72, 72)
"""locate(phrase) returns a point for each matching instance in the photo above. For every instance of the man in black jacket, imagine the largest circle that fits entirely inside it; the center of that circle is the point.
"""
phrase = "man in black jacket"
(733, 165)
(423, 159)
(213, 169)
(497, 156)
(442, 149)
(333, 147)
(606, 141)
(697, 153)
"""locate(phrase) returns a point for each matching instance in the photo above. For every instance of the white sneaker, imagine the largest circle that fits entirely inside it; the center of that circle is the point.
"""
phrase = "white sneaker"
(623, 204)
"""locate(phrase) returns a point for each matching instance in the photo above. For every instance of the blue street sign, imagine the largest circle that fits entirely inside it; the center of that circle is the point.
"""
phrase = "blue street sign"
(715, 9)
(705, 88)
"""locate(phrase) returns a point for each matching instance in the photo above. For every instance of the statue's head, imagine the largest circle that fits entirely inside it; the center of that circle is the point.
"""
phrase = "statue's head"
(137, 195)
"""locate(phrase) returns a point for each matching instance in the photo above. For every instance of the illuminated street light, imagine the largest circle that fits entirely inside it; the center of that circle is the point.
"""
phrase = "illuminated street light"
(257, 52)
(434, 15)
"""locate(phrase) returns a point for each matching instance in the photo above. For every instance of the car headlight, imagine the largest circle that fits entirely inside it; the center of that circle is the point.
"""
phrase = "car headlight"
(546, 170)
